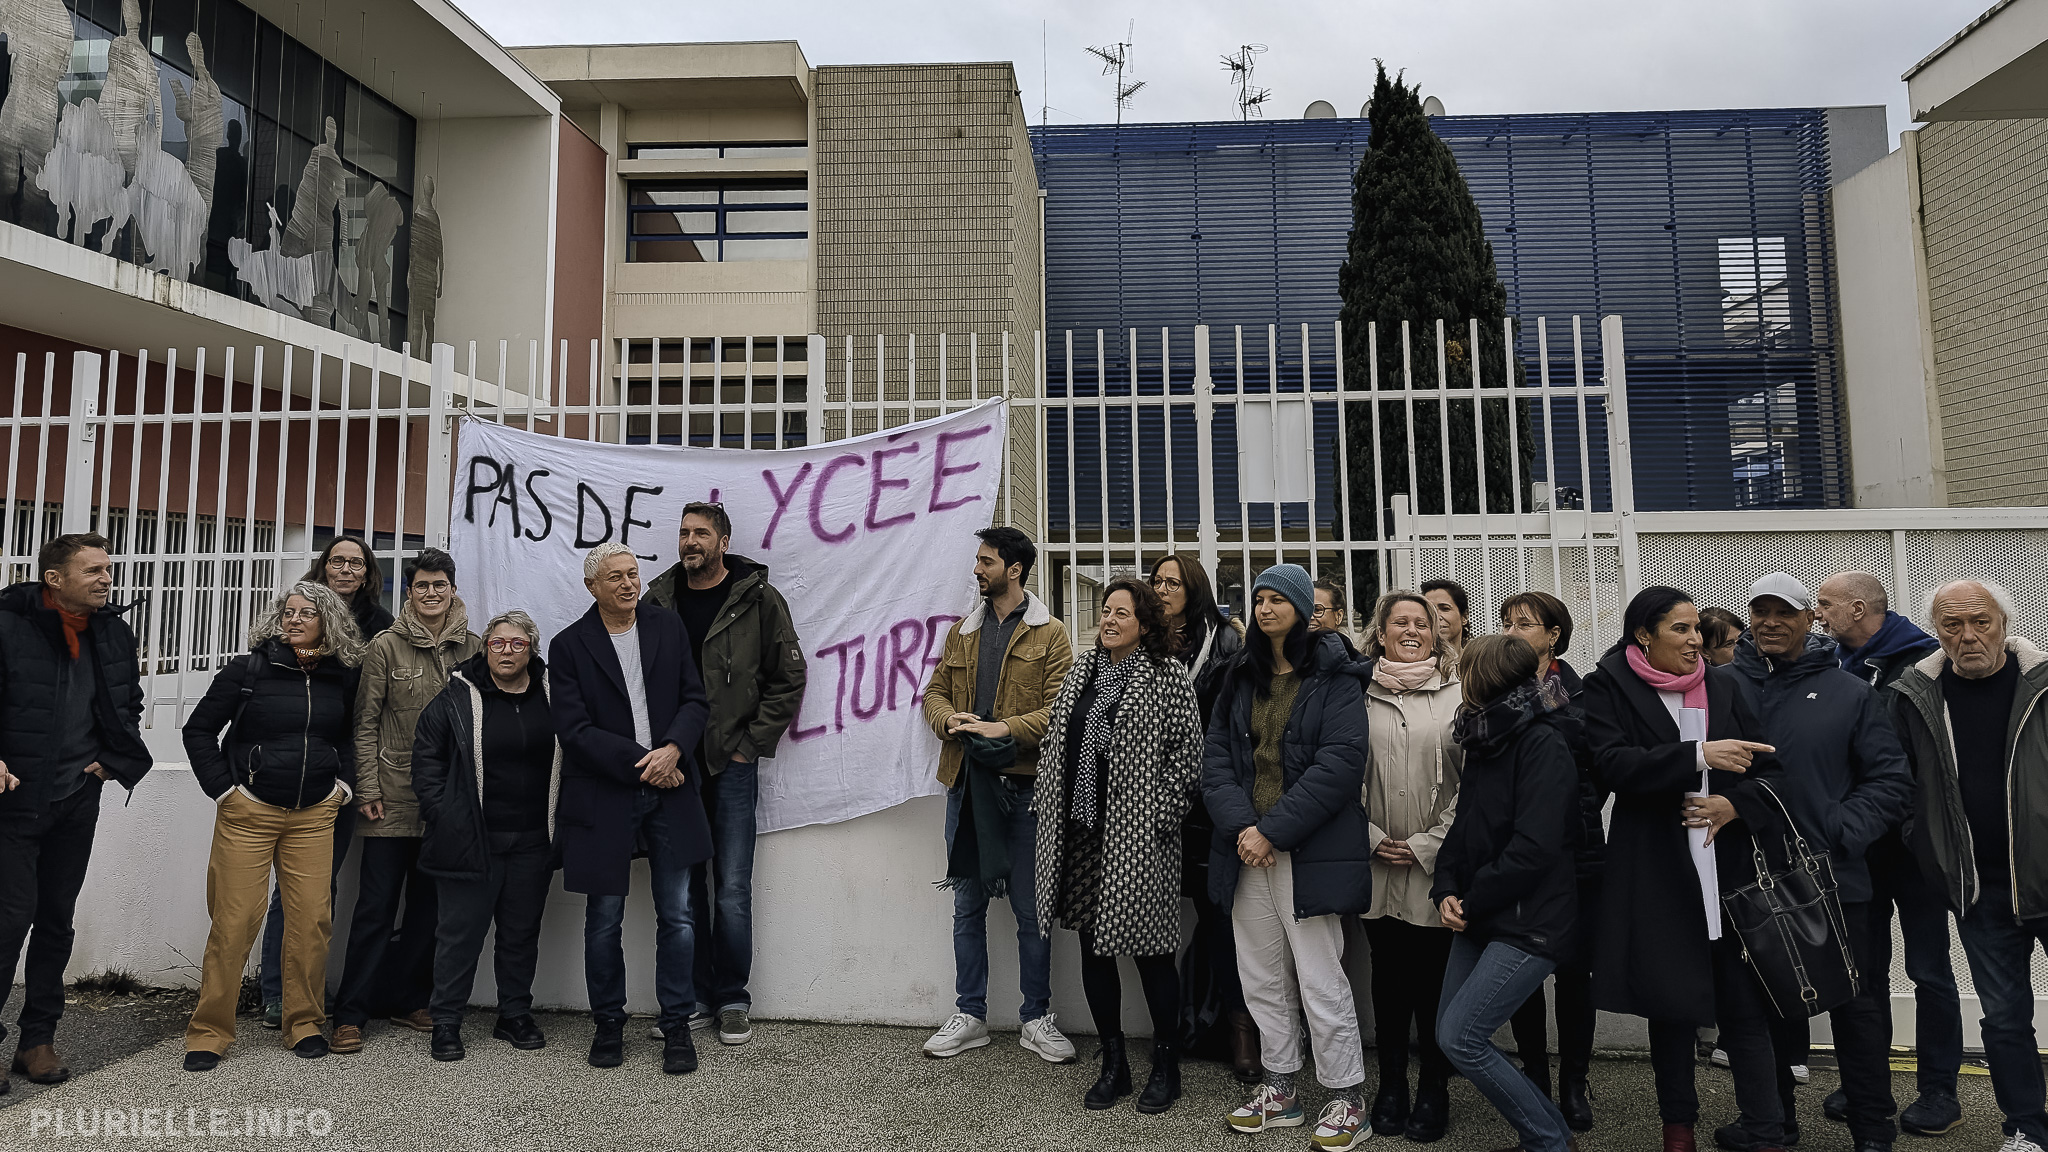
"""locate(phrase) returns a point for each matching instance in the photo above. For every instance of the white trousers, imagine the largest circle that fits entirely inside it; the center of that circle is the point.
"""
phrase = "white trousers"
(1290, 967)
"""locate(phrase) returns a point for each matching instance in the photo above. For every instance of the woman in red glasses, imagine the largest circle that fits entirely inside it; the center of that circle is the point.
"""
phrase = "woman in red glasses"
(487, 768)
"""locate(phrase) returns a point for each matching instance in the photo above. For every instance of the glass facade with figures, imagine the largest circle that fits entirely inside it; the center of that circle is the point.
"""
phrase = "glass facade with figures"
(202, 141)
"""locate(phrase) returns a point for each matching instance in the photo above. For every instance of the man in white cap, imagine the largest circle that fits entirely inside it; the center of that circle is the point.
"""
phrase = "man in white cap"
(1846, 783)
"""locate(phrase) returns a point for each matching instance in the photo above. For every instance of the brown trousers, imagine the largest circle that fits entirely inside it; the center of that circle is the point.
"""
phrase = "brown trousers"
(250, 836)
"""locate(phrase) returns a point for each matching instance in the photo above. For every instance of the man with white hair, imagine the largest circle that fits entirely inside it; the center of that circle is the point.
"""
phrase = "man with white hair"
(629, 709)
(1878, 645)
(1976, 734)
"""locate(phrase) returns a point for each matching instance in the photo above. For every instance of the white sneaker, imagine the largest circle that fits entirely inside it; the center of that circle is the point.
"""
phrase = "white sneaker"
(961, 1033)
(1719, 1059)
(2019, 1142)
(1801, 1074)
(1042, 1036)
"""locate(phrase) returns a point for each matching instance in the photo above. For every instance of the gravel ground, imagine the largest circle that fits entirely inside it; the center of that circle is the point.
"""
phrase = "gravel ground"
(808, 1085)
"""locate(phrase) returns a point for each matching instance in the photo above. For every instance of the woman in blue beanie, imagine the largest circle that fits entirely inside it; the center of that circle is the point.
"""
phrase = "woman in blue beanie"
(1281, 774)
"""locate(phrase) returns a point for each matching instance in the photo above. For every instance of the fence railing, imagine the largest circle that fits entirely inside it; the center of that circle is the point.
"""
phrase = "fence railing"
(218, 475)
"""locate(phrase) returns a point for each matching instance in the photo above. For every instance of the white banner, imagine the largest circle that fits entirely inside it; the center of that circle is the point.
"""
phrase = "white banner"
(870, 540)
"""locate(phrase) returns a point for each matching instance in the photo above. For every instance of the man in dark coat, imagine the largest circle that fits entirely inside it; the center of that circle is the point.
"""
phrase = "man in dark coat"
(1846, 784)
(1877, 646)
(630, 710)
(1976, 733)
(70, 720)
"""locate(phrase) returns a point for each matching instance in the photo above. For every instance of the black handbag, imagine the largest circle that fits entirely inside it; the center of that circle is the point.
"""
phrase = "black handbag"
(1793, 934)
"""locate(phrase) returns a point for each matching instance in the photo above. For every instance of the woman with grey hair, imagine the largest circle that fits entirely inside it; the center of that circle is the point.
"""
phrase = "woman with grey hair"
(487, 769)
(282, 771)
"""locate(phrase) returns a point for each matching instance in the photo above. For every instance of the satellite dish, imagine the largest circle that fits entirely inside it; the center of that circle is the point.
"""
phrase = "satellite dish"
(1431, 106)
(1365, 110)
(1320, 110)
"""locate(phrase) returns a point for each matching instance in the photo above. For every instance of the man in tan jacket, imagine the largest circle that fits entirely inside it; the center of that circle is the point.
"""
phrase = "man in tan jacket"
(404, 668)
(1001, 669)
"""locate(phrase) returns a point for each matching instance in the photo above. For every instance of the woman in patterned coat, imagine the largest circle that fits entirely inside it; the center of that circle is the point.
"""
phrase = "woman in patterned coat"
(1118, 769)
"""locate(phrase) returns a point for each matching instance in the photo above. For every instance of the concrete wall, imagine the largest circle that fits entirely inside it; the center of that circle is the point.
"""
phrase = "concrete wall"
(495, 188)
(1984, 217)
(1891, 444)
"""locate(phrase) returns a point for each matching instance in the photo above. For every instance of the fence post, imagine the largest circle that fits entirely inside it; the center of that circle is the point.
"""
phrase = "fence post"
(1205, 449)
(81, 443)
(1621, 465)
(440, 445)
(814, 393)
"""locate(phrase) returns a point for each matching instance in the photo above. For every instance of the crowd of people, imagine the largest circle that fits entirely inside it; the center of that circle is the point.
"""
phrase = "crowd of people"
(1465, 807)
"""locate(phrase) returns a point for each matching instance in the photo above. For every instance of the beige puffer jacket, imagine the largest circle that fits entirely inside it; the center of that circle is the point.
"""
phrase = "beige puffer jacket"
(1411, 790)
(404, 668)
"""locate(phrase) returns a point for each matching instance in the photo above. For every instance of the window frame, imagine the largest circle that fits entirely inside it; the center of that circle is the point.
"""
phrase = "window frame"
(798, 208)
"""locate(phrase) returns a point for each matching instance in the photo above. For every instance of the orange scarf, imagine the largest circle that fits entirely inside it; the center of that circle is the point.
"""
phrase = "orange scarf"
(74, 622)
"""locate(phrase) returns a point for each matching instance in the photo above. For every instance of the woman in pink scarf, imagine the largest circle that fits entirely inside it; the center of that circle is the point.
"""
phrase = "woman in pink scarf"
(1675, 742)
(1411, 789)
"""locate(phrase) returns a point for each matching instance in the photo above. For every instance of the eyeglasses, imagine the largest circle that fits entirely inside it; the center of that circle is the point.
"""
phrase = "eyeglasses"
(431, 587)
(345, 564)
(505, 644)
(1323, 611)
(299, 614)
(1167, 584)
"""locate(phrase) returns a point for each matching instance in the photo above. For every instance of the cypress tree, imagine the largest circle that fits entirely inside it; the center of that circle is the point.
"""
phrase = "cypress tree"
(1418, 252)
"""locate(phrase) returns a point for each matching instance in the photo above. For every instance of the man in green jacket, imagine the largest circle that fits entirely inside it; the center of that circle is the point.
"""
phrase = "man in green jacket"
(1975, 727)
(752, 664)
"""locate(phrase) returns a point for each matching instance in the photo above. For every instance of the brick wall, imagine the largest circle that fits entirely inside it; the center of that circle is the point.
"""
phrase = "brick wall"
(926, 223)
(1984, 190)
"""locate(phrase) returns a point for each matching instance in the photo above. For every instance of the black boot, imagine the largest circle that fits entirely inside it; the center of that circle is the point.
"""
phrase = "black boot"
(447, 1043)
(1115, 1081)
(1390, 1107)
(1432, 1111)
(1164, 1086)
(679, 1053)
(608, 1047)
(1572, 1101)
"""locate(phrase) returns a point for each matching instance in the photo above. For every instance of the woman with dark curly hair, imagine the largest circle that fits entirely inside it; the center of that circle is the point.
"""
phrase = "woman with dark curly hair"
(349, 568)
(1119, 765)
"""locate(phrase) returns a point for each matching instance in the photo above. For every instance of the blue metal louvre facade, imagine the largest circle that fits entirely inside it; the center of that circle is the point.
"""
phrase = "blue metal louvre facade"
(1707, 231)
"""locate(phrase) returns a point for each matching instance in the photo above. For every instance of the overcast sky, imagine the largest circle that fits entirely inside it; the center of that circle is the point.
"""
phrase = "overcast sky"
(1477, 56)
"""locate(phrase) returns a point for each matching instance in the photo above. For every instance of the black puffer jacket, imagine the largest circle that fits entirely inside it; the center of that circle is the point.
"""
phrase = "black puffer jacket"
(448, 772)
(294, 739)
(1517, 825)
(1319, 820)
(31, 645)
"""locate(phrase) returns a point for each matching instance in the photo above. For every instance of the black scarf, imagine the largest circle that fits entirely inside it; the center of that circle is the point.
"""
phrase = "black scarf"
(979, 860)
(1098, 729)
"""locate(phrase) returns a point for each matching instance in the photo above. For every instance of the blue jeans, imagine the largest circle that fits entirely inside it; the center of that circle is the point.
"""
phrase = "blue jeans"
(725, 943)
(2001, 950)
(604, 956)
(1482, 989)
(1895, 878)
(272, 977)
(970, 914)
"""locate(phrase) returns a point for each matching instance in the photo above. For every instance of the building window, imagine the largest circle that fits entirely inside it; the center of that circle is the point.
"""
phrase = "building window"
(1756, 301)
(764, 151)
(714, 221)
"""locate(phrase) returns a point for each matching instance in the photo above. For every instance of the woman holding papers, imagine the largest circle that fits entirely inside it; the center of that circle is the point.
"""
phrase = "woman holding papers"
(1674, 741)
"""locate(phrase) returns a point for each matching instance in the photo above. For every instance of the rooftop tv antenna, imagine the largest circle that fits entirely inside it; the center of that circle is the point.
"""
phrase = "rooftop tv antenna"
(1116, 59)
(1249, 96)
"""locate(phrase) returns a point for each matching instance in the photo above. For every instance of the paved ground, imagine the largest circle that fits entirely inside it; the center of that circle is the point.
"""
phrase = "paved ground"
(796, 1085)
